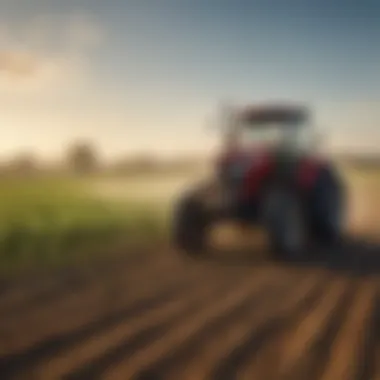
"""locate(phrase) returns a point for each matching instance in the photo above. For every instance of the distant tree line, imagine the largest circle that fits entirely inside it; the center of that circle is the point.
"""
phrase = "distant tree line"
(83, 158)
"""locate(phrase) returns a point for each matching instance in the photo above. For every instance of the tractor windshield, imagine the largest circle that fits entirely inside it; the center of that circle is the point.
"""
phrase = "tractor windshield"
(260, 135)
(272, 135)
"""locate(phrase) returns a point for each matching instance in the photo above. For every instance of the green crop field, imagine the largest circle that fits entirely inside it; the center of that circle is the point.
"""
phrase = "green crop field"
(50, 222)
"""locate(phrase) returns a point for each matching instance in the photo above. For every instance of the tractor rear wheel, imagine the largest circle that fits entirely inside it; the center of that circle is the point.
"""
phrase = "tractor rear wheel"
(189, 230)
(328, 208)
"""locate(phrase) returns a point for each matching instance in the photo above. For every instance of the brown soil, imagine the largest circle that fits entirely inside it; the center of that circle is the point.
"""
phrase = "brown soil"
(158, 315)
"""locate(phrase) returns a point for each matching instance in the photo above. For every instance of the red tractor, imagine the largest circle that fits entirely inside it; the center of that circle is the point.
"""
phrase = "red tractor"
(267, 175)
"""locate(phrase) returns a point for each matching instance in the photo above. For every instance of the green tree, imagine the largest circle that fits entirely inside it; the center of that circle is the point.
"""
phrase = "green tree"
(82, 158)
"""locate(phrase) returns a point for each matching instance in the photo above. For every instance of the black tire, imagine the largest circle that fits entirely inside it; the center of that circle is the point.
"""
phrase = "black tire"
(284, 222)
(189, 228)
(328, 207)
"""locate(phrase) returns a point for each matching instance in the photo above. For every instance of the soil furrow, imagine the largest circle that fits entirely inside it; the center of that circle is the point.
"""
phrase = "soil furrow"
(19, 332)
(222, 309)
(200, 354)
(14, 363)
(269, 361)
(229, 367)
(346, 353)
(97, 368)
(131, 334)
(57, 292)
(156, 316)
(34, 290)
(298, 341)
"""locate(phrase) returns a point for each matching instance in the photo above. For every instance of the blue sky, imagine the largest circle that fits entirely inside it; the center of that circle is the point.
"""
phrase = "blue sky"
(141, 75)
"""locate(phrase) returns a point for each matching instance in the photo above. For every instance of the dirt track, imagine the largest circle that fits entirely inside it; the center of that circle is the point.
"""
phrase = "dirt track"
(156, 316)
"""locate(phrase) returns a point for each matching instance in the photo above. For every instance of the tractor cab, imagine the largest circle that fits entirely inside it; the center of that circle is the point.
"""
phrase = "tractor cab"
(267, 128)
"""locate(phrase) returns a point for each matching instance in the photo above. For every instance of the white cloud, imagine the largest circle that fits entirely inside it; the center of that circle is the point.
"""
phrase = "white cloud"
(48, 54)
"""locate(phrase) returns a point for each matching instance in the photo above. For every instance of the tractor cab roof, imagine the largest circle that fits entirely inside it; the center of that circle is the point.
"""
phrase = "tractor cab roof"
(259, 116)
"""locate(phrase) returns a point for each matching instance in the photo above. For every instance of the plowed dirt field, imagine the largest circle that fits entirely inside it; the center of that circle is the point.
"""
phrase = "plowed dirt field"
(157, 315)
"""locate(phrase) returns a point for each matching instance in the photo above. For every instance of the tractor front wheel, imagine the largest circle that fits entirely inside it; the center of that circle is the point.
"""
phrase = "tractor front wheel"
(189, 228)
